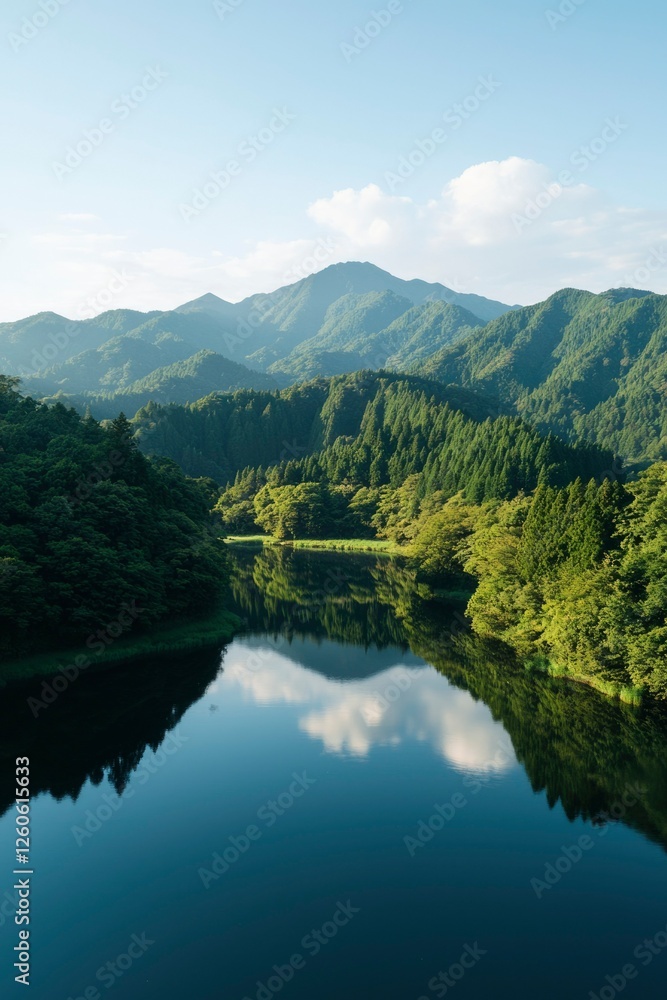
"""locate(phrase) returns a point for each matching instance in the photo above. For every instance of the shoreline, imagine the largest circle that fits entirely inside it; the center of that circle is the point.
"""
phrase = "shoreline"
(371, 546)
(163, 640)
(625, 693)
(223, 626)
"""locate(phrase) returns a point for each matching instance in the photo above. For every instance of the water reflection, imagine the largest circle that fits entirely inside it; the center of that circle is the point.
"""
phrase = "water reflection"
(335, 658)
(101, 727)
(402, 702)
(581, 750)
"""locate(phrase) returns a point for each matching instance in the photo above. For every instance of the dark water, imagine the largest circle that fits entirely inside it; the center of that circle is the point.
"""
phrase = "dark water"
(247, 821)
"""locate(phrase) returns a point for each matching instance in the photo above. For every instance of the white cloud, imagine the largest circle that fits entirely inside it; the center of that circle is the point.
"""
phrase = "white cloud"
(397, 706)
(506, 229)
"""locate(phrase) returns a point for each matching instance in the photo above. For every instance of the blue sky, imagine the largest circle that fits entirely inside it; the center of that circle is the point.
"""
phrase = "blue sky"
(332, 109)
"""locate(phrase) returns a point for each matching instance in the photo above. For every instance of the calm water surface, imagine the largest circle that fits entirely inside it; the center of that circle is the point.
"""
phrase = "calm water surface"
(345, 802)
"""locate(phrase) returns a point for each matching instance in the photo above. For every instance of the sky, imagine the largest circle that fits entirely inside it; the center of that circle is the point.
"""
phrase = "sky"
(153, 151)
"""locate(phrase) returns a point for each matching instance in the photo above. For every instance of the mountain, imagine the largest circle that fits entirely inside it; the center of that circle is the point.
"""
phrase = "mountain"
(376, 330)
(35, 343)
(325, 303)
(579, 364)
(343, 318)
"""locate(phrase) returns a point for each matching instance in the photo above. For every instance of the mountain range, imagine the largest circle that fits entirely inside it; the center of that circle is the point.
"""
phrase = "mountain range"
(348, 316)
(581, 365)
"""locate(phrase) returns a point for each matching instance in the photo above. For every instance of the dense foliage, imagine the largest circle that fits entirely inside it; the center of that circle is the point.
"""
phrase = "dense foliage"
(374, 447)
(377, 330)
(89, 527)
(573, 578)
(565, 560)
(580, 365)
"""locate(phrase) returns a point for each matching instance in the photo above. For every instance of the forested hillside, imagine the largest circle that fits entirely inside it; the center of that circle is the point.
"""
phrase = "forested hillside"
(89, 528)
(364, 430)
(379, 330)
(181, 382)
(580, 365)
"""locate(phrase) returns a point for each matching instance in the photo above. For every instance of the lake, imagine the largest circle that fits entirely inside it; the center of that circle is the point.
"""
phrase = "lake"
(354, 799)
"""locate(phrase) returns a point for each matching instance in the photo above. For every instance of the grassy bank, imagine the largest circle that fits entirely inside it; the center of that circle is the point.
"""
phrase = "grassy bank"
(380, 546)
(178, 637)
(612, 689)
(249, 540)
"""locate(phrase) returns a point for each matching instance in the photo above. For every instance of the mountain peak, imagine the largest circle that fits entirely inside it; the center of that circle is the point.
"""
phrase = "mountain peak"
(206, 303)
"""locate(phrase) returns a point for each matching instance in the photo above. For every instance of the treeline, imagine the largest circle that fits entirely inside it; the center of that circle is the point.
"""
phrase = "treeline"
(93, 536)
(573, 577)
(377, 448)
(565, 561)
(221, 435)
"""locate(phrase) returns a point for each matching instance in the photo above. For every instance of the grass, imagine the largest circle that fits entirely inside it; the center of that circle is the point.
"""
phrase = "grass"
(248, 540)
(380, 546)
(178, 637)
(612, 689)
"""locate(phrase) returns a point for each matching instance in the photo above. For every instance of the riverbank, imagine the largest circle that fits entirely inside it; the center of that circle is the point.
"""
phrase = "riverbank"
(626, 693)
(372, 545)
(163, 640)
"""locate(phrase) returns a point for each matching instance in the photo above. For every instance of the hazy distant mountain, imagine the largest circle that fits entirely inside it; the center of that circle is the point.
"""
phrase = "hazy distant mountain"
(376, 331)
(582, 365)
(344, 317)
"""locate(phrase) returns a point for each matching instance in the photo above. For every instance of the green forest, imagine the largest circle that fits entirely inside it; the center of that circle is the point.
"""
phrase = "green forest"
(93, 535)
